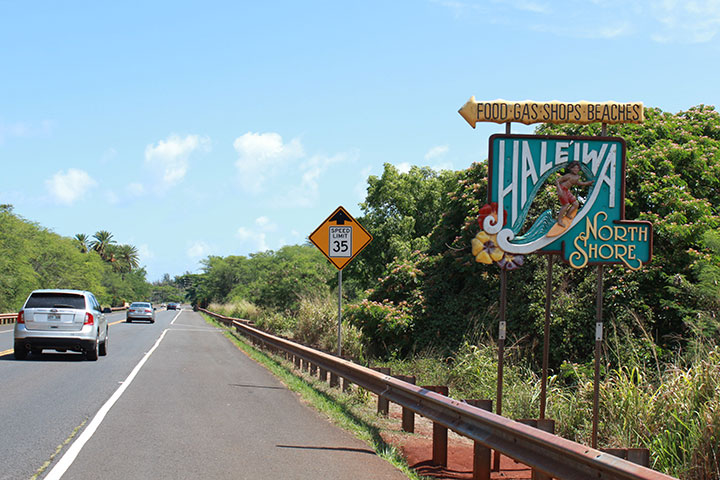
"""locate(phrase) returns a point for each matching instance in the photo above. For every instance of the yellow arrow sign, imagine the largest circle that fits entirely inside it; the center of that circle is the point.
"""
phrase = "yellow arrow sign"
(527, 112)
(340, 237)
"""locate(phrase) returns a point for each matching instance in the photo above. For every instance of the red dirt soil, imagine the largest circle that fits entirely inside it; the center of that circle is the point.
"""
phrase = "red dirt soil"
(417, 450)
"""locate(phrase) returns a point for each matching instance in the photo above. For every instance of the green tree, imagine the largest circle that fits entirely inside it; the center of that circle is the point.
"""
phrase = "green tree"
(83, 242)
(101, 243)
(400, 212)
(126, 257)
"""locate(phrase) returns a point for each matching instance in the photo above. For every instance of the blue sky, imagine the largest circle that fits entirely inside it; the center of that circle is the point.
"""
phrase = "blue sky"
(191, 129)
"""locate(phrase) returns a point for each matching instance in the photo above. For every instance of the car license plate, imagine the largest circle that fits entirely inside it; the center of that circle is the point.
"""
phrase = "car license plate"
(53, 318)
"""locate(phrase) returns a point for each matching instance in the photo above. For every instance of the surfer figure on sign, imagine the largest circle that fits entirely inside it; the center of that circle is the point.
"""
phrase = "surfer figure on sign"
(567, 199)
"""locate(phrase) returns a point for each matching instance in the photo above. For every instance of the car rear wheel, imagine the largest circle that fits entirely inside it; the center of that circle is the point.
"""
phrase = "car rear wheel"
(20, 351)
(103, 346)
(92, 354)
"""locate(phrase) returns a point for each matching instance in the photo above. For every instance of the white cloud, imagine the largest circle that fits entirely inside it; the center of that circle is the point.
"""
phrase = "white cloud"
(307, 192)
(262, 155)
(265, 224)
(680, 21)
(446, 165)
(695, 21)
(256, 238)
(171, 157)
(69, 187)
(198, 249)
(24, 130)
(253, 239)
(403, 167)
(145, 253)
(435, 152)
(361, 185)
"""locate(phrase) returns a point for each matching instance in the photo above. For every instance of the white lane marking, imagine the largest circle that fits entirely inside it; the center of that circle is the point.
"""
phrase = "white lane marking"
(6, 331)
(178, 314)
(67, 460)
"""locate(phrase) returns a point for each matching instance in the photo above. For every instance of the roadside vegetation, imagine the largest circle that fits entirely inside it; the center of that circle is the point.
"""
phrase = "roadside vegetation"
(33, 257)
(416, 300)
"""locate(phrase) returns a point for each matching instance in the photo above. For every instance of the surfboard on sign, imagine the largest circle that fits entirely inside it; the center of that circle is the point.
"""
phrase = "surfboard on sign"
(558, 229)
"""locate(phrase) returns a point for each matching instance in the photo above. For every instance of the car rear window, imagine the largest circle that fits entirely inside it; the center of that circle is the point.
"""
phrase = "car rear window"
(56, 300)
(139, 305)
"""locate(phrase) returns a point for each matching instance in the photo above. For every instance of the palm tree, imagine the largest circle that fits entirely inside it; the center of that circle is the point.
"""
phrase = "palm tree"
(127, 258)
(102, 242)
(83, 242)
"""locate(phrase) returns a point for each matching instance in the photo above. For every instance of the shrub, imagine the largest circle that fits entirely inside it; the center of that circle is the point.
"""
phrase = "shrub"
(386, 328)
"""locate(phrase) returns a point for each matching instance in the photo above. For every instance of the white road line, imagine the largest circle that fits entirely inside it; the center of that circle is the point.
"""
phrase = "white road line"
(6, 331)
(67, 460)
(178, 314)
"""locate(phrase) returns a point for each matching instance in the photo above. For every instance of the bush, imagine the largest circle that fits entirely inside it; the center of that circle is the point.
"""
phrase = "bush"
(276, 323)
(386, 328)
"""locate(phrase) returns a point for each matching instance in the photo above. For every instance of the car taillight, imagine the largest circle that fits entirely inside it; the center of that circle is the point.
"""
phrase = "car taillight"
(147, 310)
(20, 317)
(89, 319)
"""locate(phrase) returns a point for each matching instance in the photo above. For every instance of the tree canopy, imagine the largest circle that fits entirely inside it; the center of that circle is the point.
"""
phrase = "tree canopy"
(33, 257)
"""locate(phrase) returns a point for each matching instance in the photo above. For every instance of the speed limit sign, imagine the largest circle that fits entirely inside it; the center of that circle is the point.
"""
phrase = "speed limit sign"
(340, 237)
(340, 242)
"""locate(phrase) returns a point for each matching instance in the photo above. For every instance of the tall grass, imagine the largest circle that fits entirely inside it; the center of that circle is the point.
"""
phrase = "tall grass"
(314, 324)
(675, 416)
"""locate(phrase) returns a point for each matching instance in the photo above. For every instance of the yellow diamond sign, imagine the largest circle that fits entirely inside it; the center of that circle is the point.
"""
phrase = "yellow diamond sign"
(340, 237)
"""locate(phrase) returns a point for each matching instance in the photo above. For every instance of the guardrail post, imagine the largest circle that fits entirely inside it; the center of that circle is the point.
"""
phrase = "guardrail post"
(323, 374)
(639, 456)
(546, 425)
(408, 416)
(383, 406)
(440, 432)
(334, 381)
(298, 362)
(481, 453)
(313, 369)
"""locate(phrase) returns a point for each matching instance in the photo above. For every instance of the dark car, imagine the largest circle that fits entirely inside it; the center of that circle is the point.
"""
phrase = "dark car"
(173, 306)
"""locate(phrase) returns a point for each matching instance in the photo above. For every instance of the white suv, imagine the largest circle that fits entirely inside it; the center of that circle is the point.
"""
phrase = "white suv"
(61, 320)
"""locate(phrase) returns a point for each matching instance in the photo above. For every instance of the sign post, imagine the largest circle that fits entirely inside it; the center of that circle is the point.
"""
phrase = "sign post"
(340, 238)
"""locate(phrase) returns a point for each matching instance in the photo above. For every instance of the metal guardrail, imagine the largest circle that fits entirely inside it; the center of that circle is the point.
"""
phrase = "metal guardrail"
(552, 455)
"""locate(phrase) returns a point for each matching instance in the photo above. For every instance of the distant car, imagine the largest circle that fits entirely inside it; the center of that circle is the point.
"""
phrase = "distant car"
(140, 311)
(61, 320)
(173, 306)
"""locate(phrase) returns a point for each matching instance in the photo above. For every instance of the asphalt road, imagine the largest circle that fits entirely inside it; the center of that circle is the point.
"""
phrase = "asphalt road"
(171, 400)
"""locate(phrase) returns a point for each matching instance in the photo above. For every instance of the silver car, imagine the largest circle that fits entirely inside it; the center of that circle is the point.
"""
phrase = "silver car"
(140, 311)
(61, 320)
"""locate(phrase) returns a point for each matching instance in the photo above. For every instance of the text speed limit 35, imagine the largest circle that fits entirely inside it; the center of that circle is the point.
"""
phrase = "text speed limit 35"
(340, 242)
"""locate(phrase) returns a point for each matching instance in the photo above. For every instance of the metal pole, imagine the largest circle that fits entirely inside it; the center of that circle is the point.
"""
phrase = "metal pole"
(546, 341)
(501, 339)
(501, 353)
(339, 336)
(598, 344)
